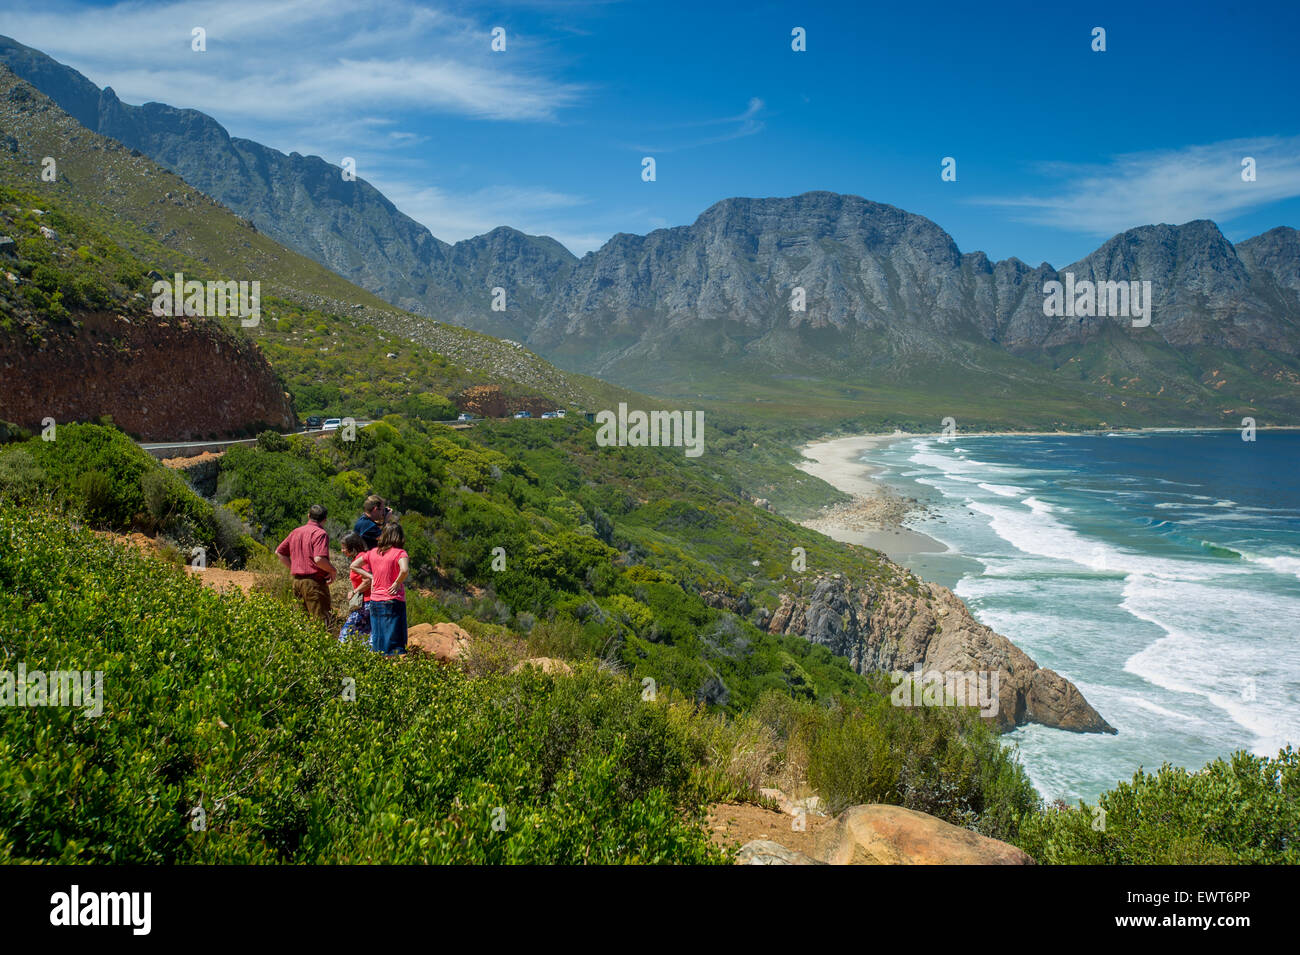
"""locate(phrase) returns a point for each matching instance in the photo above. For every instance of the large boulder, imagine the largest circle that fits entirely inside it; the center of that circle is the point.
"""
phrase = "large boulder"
(892, 835)
(766, 852)
(445, 642)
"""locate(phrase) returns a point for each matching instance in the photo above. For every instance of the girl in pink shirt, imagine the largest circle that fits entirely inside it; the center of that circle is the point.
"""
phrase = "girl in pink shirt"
(386, 567)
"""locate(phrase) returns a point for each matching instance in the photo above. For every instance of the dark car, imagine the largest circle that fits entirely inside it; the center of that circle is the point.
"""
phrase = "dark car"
(314, 421)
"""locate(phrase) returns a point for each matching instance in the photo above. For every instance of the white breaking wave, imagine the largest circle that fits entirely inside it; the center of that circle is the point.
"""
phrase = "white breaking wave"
(1219, 646)
(1039, 533)
(1004, 490)
(1281, 564)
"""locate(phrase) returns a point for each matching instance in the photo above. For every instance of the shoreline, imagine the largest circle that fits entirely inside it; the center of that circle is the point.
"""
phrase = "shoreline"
(877, 515)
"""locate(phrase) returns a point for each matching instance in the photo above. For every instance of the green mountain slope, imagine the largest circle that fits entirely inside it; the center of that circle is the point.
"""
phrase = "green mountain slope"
(168, 226)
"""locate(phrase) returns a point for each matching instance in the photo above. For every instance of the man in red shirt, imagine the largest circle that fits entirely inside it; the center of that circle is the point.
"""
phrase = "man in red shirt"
(306, 552)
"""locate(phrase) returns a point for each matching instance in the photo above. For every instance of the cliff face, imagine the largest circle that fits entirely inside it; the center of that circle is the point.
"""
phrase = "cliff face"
(865, 266)
(173, 379)
(489, 401)
(891, 630)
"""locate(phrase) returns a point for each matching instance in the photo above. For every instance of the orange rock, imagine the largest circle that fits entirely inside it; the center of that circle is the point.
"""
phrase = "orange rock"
(892, 835)
(445, 642)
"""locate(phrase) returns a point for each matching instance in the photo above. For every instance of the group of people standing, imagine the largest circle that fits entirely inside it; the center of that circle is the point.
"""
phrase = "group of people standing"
(378, 566)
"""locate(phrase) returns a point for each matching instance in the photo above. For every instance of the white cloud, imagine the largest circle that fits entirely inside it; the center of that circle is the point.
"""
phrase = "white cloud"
(455, 216)
(329, 78)
(745, 124)
(1174, 186)
(296, 62)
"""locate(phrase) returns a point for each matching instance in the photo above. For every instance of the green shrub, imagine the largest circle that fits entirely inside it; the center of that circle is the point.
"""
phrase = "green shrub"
(10, 432)
(229, 536)
(21, 478)
(159, 495)
(114, 496)
(562, 637)
(272, 441)
(1241, 810)
(299, 749)
(94, 490)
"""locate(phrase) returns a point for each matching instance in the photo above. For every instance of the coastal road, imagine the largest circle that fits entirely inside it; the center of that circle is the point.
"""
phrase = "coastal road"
(173, 449)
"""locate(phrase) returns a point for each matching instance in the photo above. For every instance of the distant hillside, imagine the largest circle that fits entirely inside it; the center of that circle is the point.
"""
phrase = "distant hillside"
(892, 302)
(304, 203)
(328, 338)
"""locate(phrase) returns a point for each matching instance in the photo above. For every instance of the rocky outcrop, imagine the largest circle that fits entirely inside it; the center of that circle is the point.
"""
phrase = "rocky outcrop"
(489, 401)
(890, 629)
(445, 642)
(720, 600)
(200, 470)
(160, 379)
(767, 852)
(892, 835)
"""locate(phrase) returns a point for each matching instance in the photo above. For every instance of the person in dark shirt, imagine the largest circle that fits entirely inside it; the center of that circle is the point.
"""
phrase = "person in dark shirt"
(374, 514)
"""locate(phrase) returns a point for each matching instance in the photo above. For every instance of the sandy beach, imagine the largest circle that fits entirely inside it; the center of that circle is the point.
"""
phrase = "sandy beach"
(876, 514)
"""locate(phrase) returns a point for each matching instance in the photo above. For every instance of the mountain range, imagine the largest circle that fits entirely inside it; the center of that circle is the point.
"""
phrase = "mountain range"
(896, 319)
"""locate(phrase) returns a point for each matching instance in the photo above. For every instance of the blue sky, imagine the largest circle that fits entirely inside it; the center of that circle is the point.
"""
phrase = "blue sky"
(1058, 147)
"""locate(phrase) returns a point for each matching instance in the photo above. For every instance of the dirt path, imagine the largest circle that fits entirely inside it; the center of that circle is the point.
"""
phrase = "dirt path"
(218, 578)
(223, 581)
(741, 822)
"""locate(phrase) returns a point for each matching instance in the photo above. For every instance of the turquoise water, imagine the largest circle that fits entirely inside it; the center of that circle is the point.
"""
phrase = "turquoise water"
(1160, 572)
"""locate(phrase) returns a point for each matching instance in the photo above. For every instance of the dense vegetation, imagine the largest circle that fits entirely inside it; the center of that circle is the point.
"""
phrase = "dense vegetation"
(110, 483)
(635, 565)
(238, 703)
(45, 278)
(297, 748)
(1239, 810)
(621, 577)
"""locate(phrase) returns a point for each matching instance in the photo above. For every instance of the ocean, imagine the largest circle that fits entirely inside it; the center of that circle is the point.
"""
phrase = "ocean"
(1159, 571)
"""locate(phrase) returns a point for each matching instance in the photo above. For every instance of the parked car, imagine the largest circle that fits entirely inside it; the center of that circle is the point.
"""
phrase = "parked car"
(464, 416)
(332, 424)
(314, 421)
(559, 412)
(549, 414)
(523, 414)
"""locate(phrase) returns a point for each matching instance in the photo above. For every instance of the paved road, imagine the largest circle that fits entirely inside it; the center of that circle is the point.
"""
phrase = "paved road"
(170, 449)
